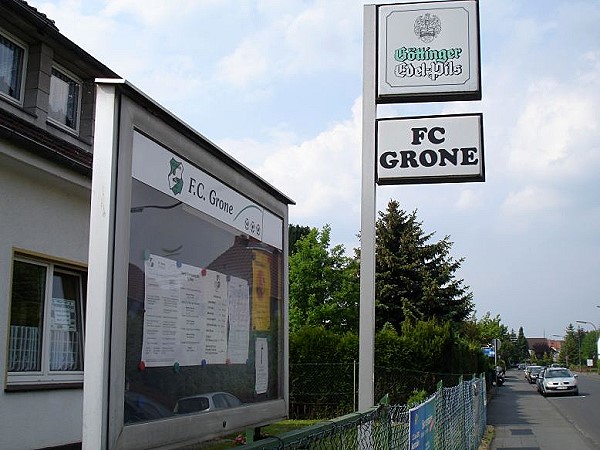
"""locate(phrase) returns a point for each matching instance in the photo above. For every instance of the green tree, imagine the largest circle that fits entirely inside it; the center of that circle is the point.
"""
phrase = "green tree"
(569, 350)
(324, 284)
(589, 345)
(521, 346)
(415, 279)
(295, 233)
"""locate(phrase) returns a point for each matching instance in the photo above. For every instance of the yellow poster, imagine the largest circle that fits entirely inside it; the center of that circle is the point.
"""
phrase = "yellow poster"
(261, 291)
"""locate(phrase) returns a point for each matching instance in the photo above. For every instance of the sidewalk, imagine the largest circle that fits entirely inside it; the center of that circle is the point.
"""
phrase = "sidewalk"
(524, 420)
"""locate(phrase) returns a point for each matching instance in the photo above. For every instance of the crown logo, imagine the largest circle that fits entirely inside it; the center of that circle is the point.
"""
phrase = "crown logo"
(428, 27)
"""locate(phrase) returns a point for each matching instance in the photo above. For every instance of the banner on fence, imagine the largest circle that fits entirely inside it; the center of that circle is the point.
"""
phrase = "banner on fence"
(421, 425)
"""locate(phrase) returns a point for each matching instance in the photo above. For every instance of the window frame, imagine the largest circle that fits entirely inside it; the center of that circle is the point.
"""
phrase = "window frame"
(45, 378)
(72, 77)
(23, 75)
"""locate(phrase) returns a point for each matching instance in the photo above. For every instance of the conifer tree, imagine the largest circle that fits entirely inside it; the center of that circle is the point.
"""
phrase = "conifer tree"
(415, 278)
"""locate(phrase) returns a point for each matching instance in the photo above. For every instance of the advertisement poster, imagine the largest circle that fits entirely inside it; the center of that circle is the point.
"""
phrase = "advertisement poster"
(261, 291)
(421, 426)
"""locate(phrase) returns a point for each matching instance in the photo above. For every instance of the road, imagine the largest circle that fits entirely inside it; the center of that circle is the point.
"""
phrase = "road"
(523, 419)
(583, 411)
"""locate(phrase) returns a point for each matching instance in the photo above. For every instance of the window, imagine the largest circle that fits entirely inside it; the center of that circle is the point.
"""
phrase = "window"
(12, 61)
(64, 99)
(46, 318)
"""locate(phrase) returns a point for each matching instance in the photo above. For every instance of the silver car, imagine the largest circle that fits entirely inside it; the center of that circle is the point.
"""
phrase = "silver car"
(210, 401)
(557, 380)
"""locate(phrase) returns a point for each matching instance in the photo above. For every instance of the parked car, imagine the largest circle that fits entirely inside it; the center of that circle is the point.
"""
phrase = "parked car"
(557, 380)
(210, 401)
(533, 372)
(539, 378)
(139, 408)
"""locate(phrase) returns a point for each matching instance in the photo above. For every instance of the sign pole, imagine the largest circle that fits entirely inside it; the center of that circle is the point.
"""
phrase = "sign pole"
(366, 379)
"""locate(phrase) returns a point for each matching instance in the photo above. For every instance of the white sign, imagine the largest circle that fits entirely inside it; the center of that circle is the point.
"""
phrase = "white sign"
(428, 51)
(167, 172)
(433, 149)
(261, 365)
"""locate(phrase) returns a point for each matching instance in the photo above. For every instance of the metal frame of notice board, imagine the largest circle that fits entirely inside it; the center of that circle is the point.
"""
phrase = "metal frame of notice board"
(186, 329)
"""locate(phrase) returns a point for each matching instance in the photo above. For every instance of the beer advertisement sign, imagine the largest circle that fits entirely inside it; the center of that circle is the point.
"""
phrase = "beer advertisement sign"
(428, 52)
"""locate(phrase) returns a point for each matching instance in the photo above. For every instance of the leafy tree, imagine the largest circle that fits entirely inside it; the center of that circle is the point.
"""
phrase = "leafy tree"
(324, 284)
(295, 233)
(589, 345)
(415, 279)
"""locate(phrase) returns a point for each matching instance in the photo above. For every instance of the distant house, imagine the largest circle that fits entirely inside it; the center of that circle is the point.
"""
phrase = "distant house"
(47, 99)
(541, 346)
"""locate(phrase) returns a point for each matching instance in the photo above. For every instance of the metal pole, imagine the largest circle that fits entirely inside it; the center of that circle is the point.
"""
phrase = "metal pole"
(366, 380)
(100, 267)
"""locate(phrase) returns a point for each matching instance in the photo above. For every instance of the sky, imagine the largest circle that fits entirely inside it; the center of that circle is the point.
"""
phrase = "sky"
(278, 85)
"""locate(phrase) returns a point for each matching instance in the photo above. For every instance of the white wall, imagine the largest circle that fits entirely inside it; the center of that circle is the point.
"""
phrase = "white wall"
(43, 209)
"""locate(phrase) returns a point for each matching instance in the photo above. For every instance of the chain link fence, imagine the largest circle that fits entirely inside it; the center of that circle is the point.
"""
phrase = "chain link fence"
(322, 391)
(452, 418)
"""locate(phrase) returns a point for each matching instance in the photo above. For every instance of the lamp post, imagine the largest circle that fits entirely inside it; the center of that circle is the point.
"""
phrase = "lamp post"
(595, 329)
(579, 346)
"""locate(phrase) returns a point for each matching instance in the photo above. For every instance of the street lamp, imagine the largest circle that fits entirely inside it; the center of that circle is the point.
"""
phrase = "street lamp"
(589, 323)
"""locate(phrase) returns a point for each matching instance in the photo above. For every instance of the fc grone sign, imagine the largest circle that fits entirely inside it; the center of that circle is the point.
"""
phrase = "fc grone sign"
(428, 52)
(430, 149)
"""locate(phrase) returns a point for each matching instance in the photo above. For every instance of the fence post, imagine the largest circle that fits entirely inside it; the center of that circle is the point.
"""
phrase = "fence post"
(439, 416)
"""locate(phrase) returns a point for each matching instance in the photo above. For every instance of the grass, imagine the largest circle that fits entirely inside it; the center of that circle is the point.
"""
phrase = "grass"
(487, 438)
(229, 441)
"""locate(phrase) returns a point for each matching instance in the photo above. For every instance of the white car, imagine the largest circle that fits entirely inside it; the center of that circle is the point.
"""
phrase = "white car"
(557, 380)
(210, 401)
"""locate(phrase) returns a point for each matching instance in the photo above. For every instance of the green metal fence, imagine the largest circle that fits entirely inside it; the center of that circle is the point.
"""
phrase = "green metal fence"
(458, 422)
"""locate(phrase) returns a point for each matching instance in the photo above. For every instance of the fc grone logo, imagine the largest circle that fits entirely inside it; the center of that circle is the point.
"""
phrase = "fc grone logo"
(428, 27)
(176, 176)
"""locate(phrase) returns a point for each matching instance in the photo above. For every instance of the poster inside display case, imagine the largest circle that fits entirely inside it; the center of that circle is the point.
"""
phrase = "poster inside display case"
(205, 293)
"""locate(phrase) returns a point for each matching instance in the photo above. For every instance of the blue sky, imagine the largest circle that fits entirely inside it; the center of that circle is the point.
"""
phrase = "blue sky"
(277, 84)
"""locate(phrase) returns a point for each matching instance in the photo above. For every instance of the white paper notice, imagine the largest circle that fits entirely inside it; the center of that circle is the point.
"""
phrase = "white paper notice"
(214, 289)
(261, 357)
(193, 316)
(161, 315)
(239, 320)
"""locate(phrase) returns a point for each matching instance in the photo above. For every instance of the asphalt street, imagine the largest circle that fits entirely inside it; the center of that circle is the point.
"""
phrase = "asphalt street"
(525, 420)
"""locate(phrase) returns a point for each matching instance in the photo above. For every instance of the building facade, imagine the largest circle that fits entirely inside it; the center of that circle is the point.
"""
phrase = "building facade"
(234, 266)
(46, 137)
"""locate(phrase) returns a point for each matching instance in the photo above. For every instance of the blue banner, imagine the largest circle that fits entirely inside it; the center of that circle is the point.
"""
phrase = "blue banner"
(421, 426)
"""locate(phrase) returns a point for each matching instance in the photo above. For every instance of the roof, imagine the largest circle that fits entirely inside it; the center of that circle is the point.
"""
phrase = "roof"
(46, 28)
(28, 9)
(44, 143)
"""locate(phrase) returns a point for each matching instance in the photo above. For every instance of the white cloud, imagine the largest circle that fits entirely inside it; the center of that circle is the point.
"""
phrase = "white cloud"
(555, 132)
(468, 199)
(532, 200)
(155, 12)
(321, 174)
(244, 66)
